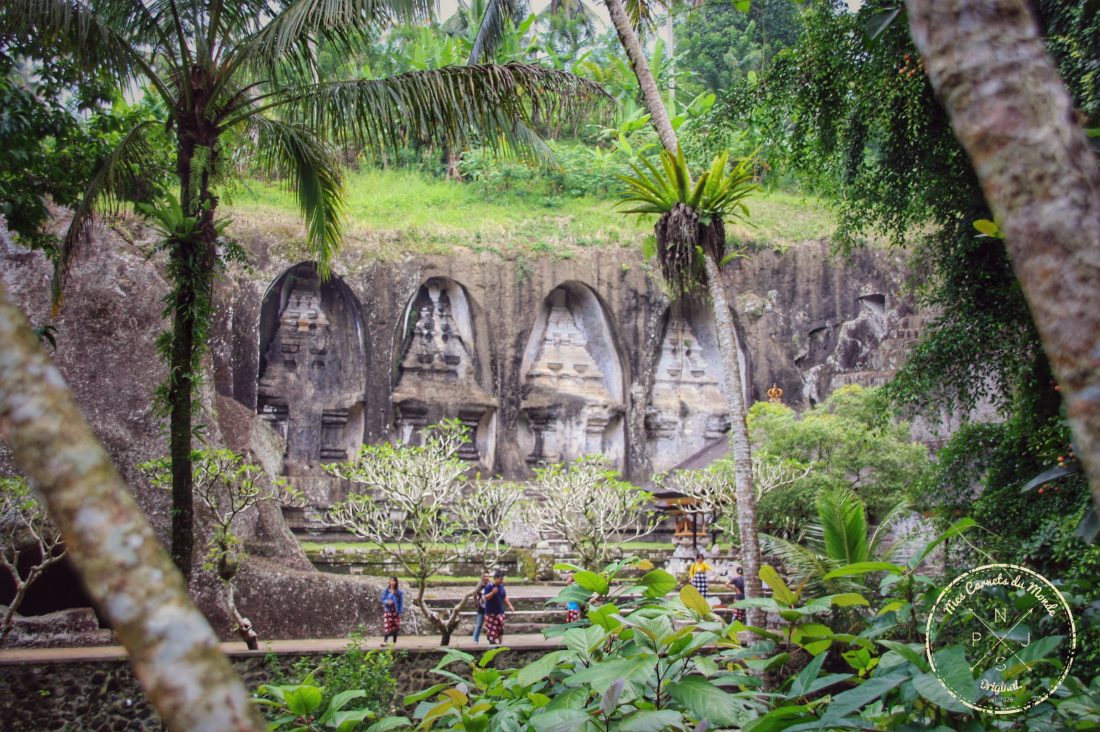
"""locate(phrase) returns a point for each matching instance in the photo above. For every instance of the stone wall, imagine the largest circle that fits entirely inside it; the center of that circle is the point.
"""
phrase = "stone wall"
(104, 696)
(545, 359)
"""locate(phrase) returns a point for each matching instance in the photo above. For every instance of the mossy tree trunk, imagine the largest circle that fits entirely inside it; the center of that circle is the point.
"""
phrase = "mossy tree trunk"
(1015, 119)
(175, 654)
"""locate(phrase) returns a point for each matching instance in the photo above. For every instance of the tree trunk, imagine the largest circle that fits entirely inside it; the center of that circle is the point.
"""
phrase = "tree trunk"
(9, 616)
(650, 93)
(1015, 119)
(731, 368)
(739, 440)
(174, 652)
(179, 406)
(191, 266)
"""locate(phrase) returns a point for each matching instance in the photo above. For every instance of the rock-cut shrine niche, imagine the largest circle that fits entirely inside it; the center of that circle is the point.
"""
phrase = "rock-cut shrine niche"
(440, 374)
(311, 372)
(572, 380)
(687, 410)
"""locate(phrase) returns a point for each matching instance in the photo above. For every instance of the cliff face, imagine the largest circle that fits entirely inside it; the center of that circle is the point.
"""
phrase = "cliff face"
(543, 359)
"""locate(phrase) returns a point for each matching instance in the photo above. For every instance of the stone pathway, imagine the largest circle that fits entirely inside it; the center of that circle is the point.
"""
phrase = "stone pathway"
(423, 643)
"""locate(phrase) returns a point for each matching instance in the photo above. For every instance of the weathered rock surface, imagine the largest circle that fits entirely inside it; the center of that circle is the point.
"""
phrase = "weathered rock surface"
(542, 359)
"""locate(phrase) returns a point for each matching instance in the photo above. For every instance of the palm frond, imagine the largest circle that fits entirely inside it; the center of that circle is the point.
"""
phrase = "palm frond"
(313, 175)
(103, 39)
(844, 525)
(117, 176)
(490, 33)
(291, 36)
(895, 514)
(801, 564)
(450, 106)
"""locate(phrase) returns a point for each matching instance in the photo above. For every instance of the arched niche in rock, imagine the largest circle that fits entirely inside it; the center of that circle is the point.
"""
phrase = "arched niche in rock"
(687, 408)
(572, 381)
(441, 372)
(312, 367)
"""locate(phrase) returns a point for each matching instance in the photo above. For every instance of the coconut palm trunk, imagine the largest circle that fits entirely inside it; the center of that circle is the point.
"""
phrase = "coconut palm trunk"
(733, 379)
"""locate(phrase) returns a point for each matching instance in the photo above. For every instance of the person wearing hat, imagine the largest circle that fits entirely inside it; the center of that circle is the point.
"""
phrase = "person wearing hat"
(495, 600)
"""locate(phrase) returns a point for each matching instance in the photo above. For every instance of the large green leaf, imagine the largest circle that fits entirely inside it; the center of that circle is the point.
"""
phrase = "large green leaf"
(859, 697)
(652, 720)
(928, 686)
(541, 668)
(304, 700)
(600, 676)
(780, 591)
(583, 641)
(592, 582)
(658, 583)
(806, 676)
(857, 569)
(559, 720)
(844, 525)
(694, 601)
(707, 701)
(953, 669)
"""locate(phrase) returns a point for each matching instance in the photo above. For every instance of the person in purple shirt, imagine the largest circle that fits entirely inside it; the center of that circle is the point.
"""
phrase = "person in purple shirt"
(496, 597)
(393, 604)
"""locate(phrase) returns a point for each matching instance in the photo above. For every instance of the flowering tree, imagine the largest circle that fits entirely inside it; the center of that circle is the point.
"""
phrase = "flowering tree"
(713, 492)
(25, 529)
(416, 504)
(585, 504)
(227, 486)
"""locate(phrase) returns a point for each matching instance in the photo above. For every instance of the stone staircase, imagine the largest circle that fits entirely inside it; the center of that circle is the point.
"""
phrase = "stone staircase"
(532, 614)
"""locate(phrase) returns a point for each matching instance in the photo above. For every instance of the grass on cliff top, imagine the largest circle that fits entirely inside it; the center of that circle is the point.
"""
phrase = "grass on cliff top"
(392, 212)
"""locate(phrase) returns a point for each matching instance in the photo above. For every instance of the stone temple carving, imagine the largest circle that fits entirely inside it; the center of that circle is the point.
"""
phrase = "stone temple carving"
(572, 382)
(440, 375)
(307, 386)
(688, 408)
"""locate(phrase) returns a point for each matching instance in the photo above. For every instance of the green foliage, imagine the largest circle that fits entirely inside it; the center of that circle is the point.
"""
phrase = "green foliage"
(721, 47)
(353, 669)
(361, 680)
(58, 124)
(851, 439)
(645, 659)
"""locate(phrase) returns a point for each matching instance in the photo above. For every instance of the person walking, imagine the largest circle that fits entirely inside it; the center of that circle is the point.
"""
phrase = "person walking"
(495, 600)
(393, 604)
(738, 583)
(479, 604)
(698, 574)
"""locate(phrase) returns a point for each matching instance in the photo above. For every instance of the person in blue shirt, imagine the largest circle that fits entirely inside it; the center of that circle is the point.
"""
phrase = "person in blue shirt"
(495, 599)
(393, 604)
(479, 603)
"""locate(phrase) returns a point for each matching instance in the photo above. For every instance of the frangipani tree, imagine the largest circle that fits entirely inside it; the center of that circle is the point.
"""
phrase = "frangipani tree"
(416, 504)
(586, 505)
(244, 76)
(25, 530)
(713, 492)
(227, 486)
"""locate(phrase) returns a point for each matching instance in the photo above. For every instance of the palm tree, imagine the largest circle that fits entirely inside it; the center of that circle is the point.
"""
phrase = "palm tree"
(840, 537)
(683, 239)
(248, 70)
